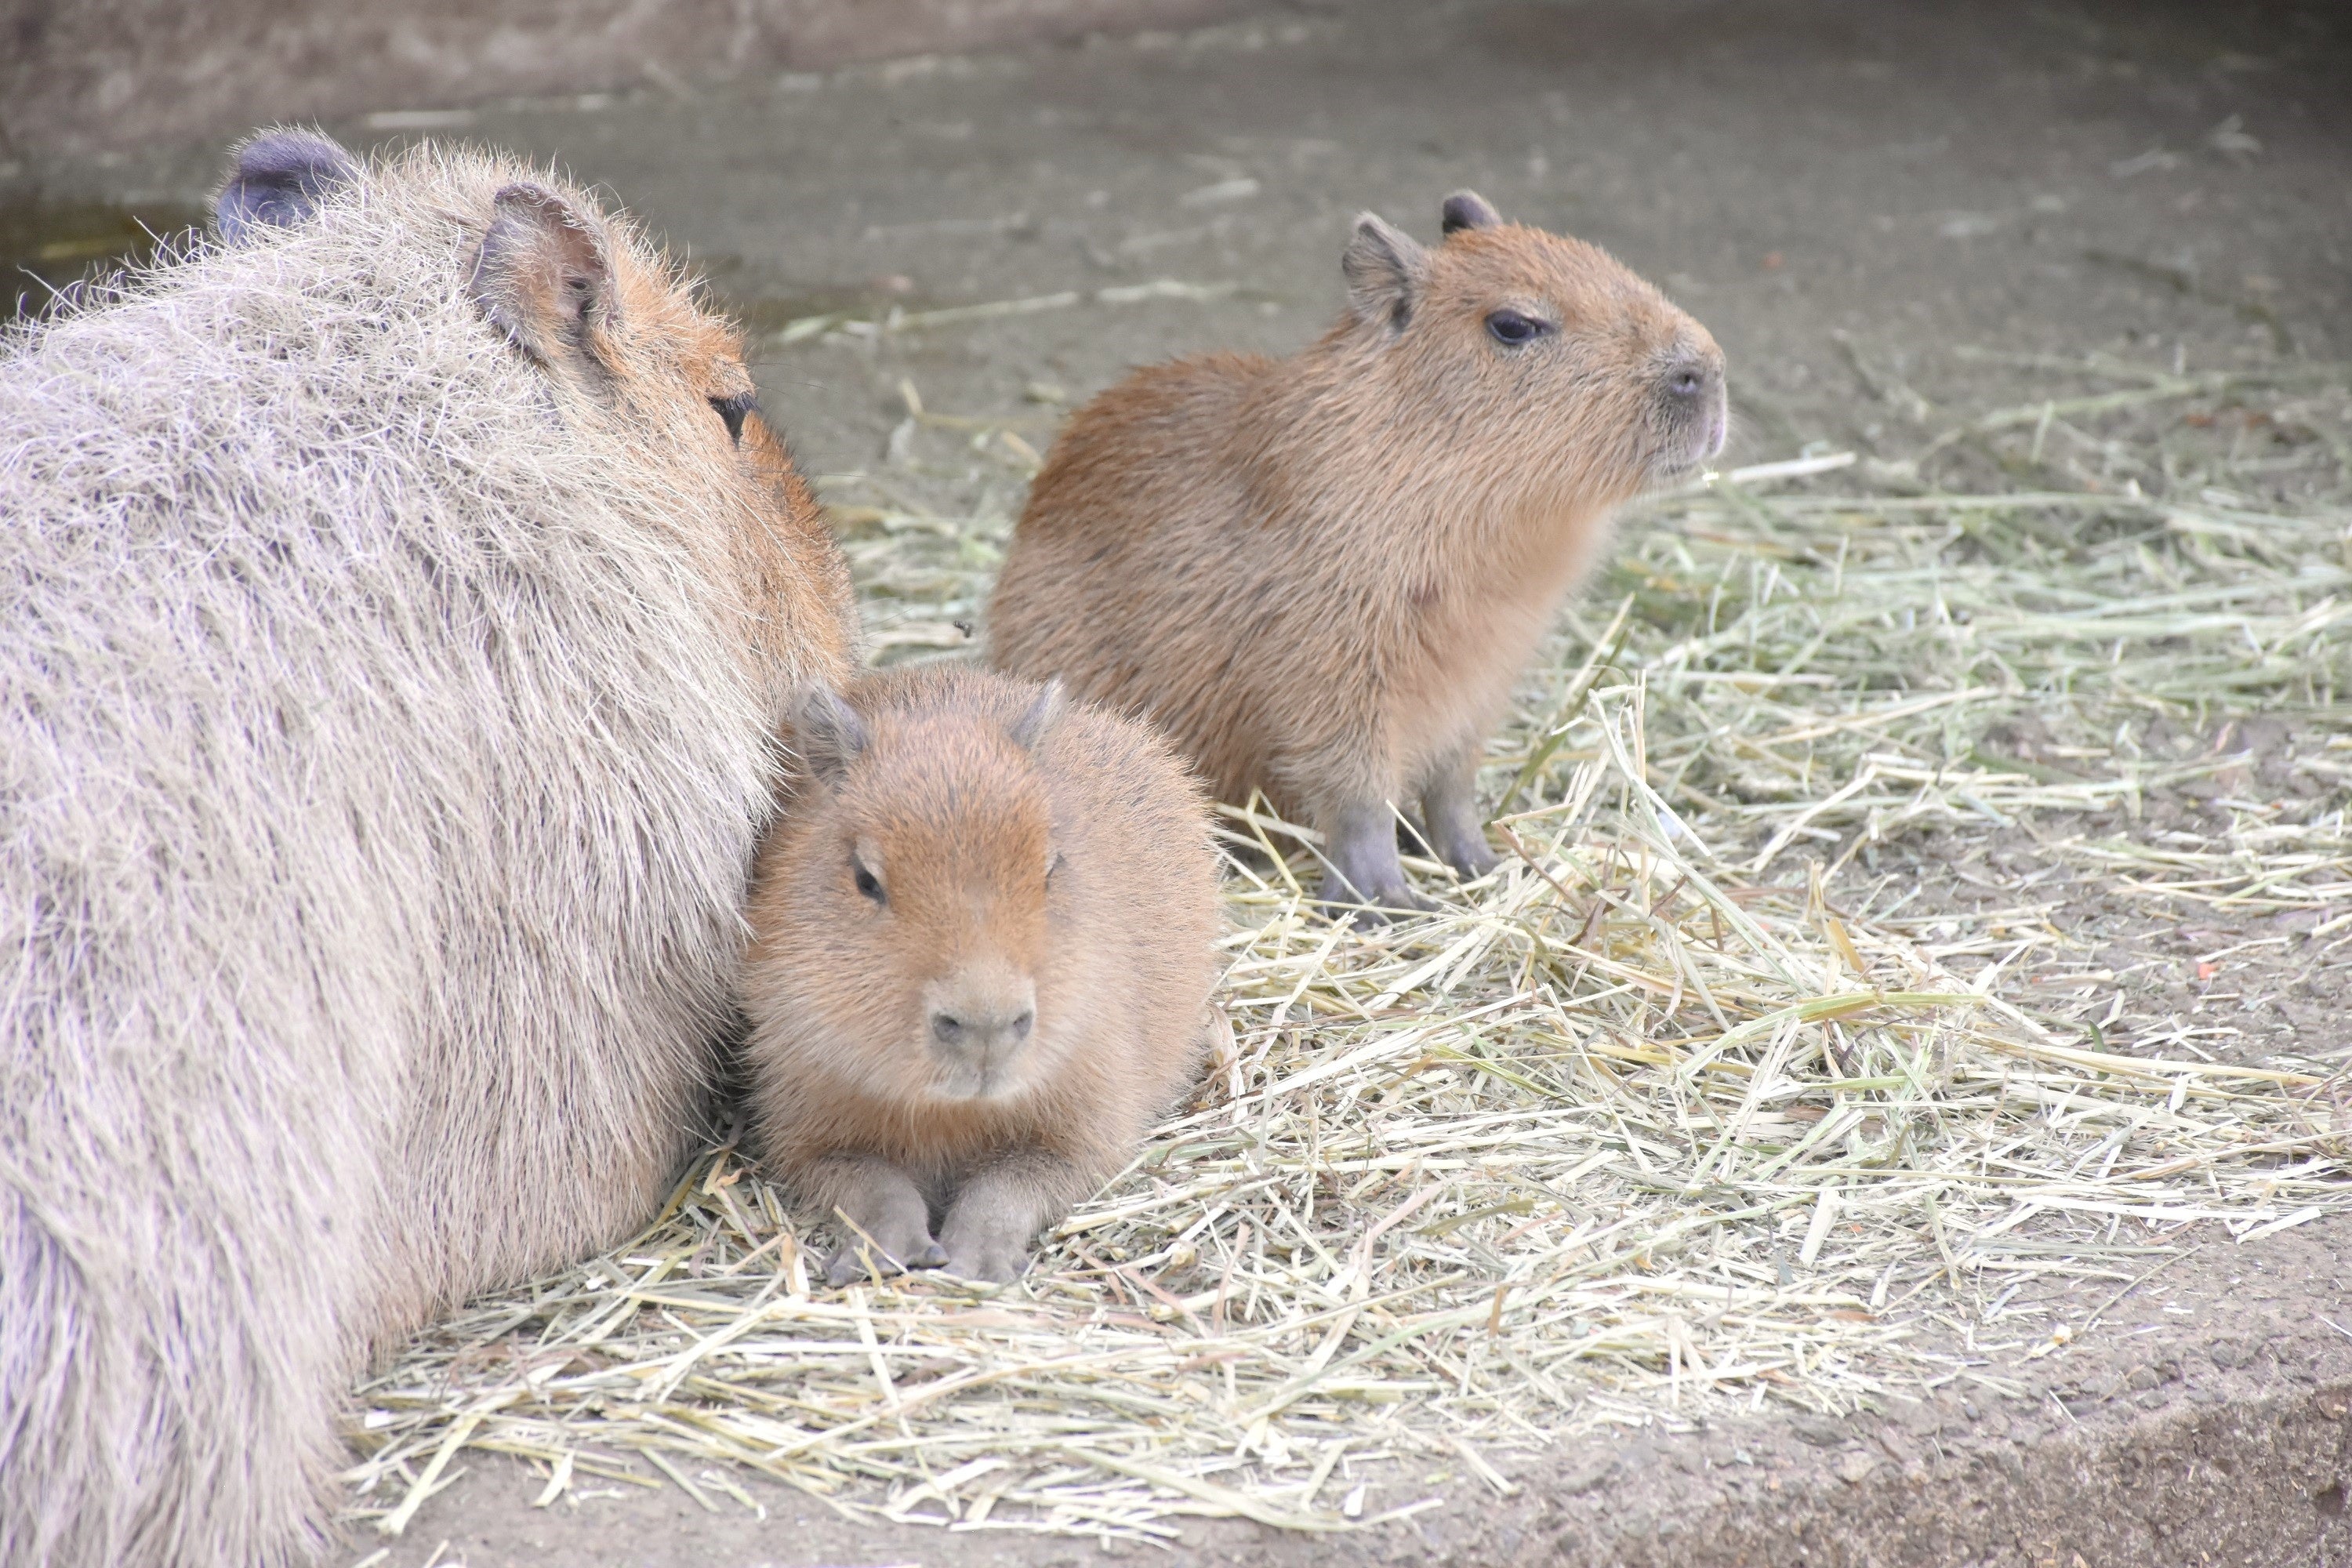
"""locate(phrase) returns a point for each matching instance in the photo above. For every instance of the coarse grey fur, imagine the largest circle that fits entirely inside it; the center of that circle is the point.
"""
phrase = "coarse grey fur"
(383, 739)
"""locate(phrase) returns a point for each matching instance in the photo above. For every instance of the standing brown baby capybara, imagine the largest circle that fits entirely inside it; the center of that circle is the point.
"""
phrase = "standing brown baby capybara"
(982, 942)
(1322, 573)
(398, 597)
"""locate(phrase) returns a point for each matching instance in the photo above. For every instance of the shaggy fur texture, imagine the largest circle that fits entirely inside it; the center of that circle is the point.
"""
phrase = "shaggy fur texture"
(1322, 573)
(386, 717)
(982, 949)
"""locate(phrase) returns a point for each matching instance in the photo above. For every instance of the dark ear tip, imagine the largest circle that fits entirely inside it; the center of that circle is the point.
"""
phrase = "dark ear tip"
(278, 178)
(1375, 236)
(1468, 209)
(830, 733)
(536, 205)
(290, 150)
(1041, 714)
(543, 275)
(821, 704)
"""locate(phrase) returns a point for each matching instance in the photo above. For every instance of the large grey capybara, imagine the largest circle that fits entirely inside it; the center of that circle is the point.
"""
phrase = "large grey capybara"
(396, 598)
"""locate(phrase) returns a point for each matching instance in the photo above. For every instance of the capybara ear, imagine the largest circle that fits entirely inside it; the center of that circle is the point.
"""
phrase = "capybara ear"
(545, 276)
(278, 180)
(1384, 268)
(1032, 727)
(828, 733)
(1468, 209)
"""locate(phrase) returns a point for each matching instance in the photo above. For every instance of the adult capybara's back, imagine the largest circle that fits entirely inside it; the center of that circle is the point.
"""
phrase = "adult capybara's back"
(395, 600)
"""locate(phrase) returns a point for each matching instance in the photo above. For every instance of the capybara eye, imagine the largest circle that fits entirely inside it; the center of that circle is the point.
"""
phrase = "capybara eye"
(1053, 865)
(733, 410)
(868, 883)
(1512, 329)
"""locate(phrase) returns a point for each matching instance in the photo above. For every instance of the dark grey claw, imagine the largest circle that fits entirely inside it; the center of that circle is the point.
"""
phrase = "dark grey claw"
(1360, 846)
(1450, 806)
(857, 1262)
(1368, 911)
(995, 1264)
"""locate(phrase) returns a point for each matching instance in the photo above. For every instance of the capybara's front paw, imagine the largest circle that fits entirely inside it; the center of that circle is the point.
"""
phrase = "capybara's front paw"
(998, 1262)
(862, 1261)
(992, 1221)
(1370, 912)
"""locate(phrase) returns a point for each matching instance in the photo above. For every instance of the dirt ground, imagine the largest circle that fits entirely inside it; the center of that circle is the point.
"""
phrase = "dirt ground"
(1853, 198)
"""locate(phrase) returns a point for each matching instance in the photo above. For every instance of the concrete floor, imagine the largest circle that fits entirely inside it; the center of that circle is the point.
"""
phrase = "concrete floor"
(1852, 196)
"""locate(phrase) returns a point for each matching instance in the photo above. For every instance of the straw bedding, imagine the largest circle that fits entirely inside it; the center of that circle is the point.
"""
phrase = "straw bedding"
(1712, 1099)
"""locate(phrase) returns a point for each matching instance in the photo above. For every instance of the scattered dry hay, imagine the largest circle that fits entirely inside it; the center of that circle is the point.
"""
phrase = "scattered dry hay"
(1680, 1111)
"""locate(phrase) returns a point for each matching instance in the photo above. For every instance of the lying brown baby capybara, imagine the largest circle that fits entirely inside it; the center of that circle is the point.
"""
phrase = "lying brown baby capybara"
(1322, 573)
(397, 600)
(982, 947)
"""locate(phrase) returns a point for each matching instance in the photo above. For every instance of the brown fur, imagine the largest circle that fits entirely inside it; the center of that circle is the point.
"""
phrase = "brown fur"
(954, 791)
(662, 364)
(1322, 573)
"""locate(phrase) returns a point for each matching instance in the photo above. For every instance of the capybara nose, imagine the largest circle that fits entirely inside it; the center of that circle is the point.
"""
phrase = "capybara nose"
(979, 1020)
(981, 1030)
(1694, 380)
(1694, 388)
